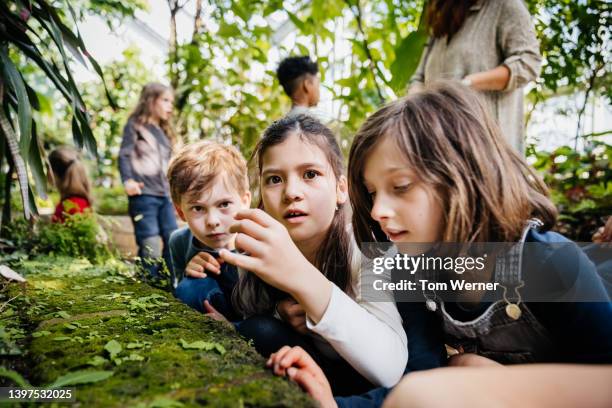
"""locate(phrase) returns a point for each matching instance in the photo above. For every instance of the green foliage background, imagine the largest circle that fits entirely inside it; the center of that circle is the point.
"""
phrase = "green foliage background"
(222, 94)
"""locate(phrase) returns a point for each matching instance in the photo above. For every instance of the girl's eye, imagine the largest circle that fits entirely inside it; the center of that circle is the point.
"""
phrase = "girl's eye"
(273, 180)
(196, 208)
(403, 188)
(310, 174)
(372, 194)
(225, 204)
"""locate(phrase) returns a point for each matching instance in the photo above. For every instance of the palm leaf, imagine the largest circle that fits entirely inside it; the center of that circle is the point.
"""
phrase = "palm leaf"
(24, 110)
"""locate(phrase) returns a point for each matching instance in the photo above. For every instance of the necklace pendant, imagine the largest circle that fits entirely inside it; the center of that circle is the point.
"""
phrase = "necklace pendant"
(431, 305)
(513, 311)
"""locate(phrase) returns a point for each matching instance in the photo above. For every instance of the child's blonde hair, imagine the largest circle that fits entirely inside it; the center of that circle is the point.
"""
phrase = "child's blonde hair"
(452, 143)
(143, 110)
(197, 165)
(69, 174)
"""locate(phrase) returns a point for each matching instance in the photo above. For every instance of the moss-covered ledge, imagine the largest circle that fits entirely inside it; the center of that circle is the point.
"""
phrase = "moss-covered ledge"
(71, 316)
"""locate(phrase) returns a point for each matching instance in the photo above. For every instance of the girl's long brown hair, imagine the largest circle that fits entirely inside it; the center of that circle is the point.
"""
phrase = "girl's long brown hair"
(446, 17)
(143, 110)
(69, 174)
(253, 296)
(486, 189)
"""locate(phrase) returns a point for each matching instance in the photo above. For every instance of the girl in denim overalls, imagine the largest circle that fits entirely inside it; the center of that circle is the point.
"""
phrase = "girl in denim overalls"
(433, 167)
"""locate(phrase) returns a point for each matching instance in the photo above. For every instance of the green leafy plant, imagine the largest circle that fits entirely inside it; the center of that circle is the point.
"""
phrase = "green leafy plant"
(581, 186)
(110, 201)
(79, 236)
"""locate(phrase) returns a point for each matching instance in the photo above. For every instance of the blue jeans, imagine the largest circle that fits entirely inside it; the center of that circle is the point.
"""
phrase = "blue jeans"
(152, 217)
(194, 291)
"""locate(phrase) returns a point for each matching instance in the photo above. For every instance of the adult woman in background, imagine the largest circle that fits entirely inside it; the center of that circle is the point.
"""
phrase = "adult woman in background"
(143, 161)
(489, 45)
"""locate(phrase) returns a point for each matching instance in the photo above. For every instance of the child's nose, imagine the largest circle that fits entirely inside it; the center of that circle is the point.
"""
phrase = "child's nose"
(293, 191)
(212, 219)
(380, 209)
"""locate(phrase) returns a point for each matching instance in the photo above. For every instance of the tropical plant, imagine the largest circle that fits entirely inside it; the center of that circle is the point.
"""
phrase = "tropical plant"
(28, 29)
(581, 186)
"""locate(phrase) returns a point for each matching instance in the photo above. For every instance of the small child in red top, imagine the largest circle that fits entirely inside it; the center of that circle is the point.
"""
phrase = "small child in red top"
(71, 180)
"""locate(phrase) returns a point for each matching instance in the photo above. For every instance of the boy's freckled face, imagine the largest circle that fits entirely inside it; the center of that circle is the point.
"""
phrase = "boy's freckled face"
(211, 214)
(406, 209)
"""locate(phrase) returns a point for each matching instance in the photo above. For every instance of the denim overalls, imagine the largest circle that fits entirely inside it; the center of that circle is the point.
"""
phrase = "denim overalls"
(507, 331)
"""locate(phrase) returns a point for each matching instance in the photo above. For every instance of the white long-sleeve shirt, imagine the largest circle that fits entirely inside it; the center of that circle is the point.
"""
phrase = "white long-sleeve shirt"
(368, 335)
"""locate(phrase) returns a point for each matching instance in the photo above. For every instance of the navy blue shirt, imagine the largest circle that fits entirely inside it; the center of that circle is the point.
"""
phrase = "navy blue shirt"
(184, 246)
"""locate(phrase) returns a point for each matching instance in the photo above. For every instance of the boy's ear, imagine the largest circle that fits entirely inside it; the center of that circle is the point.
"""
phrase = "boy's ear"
(179, 212)
(246, 199)
(308, 84)
(342, 190)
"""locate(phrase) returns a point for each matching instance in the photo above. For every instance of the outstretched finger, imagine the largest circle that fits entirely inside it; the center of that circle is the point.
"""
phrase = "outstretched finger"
(270, 360)
(242, 261)
(259, 216)
(276, 358)
(298, 357)
(305, 380)
(249, 245)
(251, 228)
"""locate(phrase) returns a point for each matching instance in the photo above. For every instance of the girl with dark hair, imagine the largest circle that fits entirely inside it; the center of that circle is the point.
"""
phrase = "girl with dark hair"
(302, 260)
(143, 162)
(488, 45)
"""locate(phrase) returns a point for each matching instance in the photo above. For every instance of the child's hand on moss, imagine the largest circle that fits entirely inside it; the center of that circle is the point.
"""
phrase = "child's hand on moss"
(296, 363)
(202, 262)
(293, 313)
(213, 313)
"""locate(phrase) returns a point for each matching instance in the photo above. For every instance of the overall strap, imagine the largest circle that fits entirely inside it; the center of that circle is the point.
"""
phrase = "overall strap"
(508, 270)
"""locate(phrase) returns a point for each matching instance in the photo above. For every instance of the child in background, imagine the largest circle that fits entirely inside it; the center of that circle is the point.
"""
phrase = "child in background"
(70, 178)
(299, 77)
(302, 258)
(208, 185)
(433, 167)
(146, 148)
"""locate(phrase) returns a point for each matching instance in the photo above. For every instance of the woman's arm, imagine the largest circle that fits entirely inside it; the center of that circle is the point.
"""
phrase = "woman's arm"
(520, 52)
(519, 45)
(495, 79)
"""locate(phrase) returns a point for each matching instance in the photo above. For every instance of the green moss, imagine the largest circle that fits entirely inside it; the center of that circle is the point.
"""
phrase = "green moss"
(69, 310)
